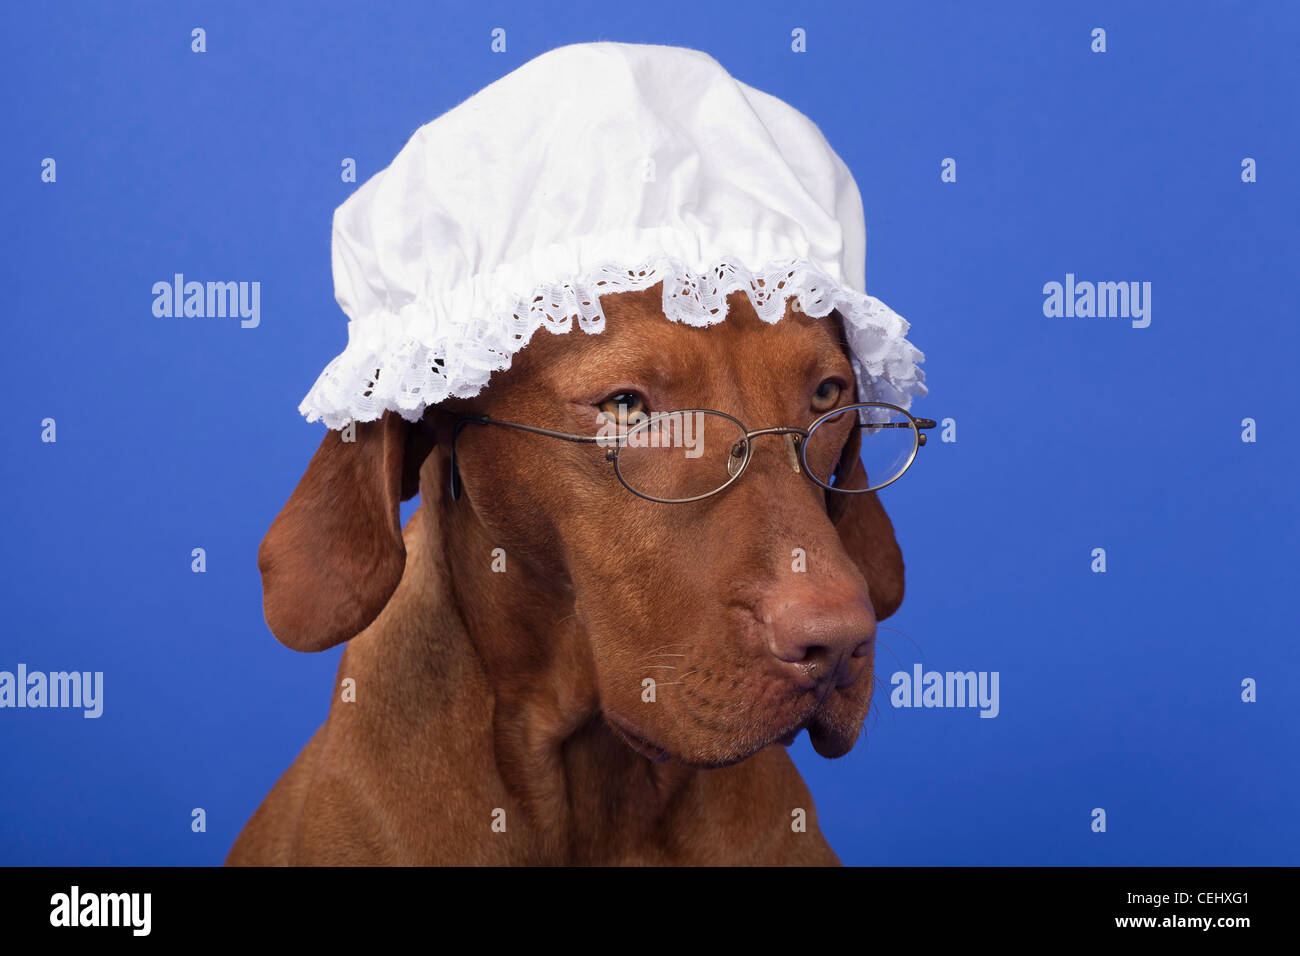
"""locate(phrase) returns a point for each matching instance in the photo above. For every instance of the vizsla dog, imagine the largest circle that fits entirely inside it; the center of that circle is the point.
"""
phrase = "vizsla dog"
(501, 643)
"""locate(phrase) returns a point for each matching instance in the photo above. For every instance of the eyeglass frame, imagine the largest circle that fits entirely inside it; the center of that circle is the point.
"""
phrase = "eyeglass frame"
(615, 444)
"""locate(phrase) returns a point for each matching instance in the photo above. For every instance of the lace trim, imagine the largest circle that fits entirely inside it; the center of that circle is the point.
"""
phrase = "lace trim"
(410, 374)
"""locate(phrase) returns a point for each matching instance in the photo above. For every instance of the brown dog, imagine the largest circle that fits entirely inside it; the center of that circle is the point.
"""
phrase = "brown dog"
(500, 717)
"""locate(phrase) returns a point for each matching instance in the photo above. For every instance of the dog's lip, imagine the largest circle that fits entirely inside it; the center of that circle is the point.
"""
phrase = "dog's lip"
(789, 738)
(823, 690)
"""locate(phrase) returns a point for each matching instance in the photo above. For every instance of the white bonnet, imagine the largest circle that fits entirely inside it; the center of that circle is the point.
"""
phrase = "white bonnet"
(595, 168)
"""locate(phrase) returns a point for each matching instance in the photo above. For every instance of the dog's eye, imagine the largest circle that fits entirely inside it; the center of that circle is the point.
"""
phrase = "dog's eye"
(827, 395)
(623, 405)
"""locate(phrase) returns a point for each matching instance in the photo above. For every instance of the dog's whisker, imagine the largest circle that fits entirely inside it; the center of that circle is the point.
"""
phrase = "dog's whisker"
(662, 648)
(903, 634)
(891, 652)
(875, 709)
(683, 677)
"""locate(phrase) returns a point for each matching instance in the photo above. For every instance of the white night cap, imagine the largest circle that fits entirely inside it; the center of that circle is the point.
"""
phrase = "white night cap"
(594, 169)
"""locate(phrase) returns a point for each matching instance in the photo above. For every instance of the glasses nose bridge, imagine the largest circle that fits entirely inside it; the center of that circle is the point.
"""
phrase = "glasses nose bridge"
(749, 436)
(776, 430)
(794, 449)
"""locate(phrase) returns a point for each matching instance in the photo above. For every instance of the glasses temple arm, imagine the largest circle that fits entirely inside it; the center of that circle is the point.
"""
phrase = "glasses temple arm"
(485, 420)
(547, 432)
(920, 423)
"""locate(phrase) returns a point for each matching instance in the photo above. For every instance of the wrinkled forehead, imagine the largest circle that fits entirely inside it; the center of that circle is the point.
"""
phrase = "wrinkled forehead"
(736, 360)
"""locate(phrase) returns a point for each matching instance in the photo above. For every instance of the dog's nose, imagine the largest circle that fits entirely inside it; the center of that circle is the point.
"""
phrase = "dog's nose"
(819, 638)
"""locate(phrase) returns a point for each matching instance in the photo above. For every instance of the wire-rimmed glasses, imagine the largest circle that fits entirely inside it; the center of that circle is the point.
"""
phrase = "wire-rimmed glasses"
(689, 454)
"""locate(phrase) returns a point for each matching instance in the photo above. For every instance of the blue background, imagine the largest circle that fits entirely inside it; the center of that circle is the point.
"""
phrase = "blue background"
(1118, 690)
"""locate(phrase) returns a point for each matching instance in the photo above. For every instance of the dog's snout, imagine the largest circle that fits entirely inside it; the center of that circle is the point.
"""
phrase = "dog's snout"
(820, 638)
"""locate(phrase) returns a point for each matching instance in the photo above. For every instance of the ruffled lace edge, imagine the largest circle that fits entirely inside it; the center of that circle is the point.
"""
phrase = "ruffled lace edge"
(410, 374)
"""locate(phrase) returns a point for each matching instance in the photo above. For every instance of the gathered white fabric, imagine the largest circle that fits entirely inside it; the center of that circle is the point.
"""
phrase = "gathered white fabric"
(594, 169)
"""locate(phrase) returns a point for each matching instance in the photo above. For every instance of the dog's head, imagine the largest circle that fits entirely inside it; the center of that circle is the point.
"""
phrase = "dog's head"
(753, 611)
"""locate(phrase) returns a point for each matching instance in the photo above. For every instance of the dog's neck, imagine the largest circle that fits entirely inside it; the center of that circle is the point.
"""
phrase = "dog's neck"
(585, 791)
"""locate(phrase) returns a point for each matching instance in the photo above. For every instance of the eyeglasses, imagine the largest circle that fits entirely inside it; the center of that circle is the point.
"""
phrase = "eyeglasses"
(682, 456)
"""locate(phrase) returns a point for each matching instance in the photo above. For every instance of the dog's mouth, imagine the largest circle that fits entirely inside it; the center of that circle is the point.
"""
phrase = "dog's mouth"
(829, 737)
(833, 723)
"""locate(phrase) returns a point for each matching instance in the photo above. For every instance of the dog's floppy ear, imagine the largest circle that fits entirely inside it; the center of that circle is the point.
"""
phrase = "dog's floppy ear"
(334, 555)
(867, 533)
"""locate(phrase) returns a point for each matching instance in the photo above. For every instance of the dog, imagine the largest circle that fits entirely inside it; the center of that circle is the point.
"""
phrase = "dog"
(499, 646)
